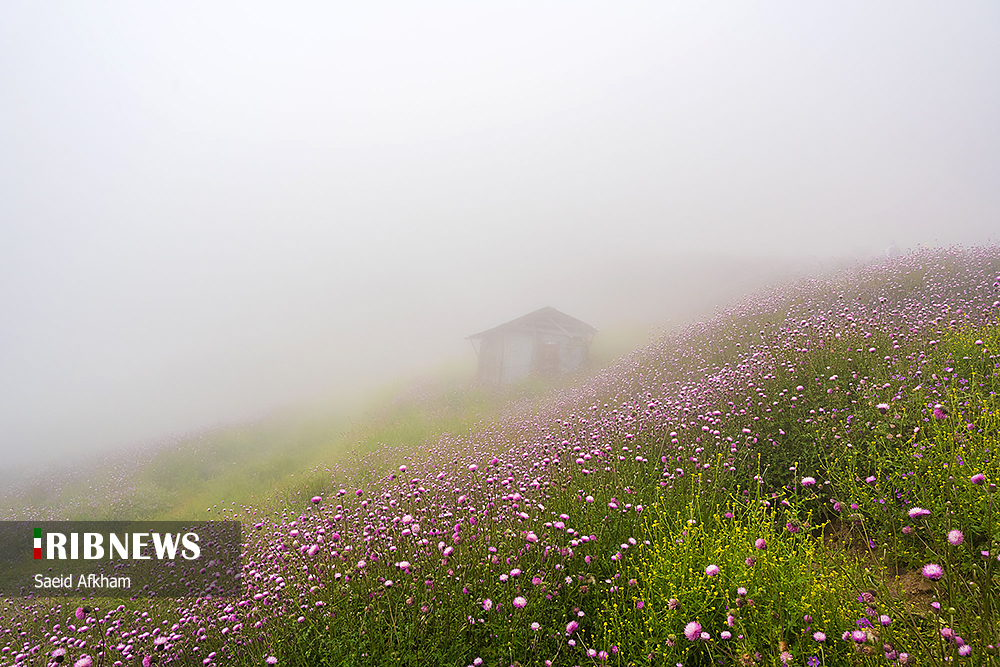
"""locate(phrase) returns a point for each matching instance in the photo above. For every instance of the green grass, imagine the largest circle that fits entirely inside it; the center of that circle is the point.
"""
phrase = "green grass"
(826, 480)
(287, 454)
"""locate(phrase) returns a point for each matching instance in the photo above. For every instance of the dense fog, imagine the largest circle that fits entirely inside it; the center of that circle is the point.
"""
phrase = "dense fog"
(212, 210)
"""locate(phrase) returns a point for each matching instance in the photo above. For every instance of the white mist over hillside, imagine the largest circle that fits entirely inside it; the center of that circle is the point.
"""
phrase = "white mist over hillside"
(210, 211)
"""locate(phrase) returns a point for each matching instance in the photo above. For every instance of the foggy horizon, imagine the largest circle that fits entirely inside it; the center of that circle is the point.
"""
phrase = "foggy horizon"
(209, 212)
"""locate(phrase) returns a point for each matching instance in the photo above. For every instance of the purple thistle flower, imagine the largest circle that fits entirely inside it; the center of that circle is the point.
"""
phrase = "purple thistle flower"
(955, 537)
(692, 630)
(932, 571)
(978, 478)
(712, 570)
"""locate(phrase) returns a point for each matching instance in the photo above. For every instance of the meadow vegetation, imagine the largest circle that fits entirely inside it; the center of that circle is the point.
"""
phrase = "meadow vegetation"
(806, 479)
(257, 462)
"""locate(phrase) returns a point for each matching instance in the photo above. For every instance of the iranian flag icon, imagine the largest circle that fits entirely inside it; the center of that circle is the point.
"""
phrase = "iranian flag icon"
(38, 543)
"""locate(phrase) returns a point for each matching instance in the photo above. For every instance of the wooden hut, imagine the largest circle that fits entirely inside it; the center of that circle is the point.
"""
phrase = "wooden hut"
(545, 342)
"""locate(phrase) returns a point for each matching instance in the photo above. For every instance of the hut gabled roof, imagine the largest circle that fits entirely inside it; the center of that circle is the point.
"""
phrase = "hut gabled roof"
(547, 320)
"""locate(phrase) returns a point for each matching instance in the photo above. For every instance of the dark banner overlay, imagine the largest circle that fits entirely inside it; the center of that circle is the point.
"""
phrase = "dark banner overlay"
(121, 559)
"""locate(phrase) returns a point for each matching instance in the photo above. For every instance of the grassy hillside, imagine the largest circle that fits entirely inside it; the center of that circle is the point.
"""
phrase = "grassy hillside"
(807, 478)
(248, 463)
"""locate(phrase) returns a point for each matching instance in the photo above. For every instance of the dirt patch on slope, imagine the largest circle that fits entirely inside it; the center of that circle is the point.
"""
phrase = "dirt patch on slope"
(911, 587)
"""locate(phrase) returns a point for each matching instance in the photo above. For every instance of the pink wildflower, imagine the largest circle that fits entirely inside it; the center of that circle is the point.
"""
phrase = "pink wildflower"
(932, 571)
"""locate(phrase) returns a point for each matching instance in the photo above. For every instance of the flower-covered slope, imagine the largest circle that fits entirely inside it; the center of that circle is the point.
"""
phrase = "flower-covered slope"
(506, 543)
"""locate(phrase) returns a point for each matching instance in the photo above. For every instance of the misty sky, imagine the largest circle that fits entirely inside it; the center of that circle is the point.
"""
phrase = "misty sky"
(211, 209)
